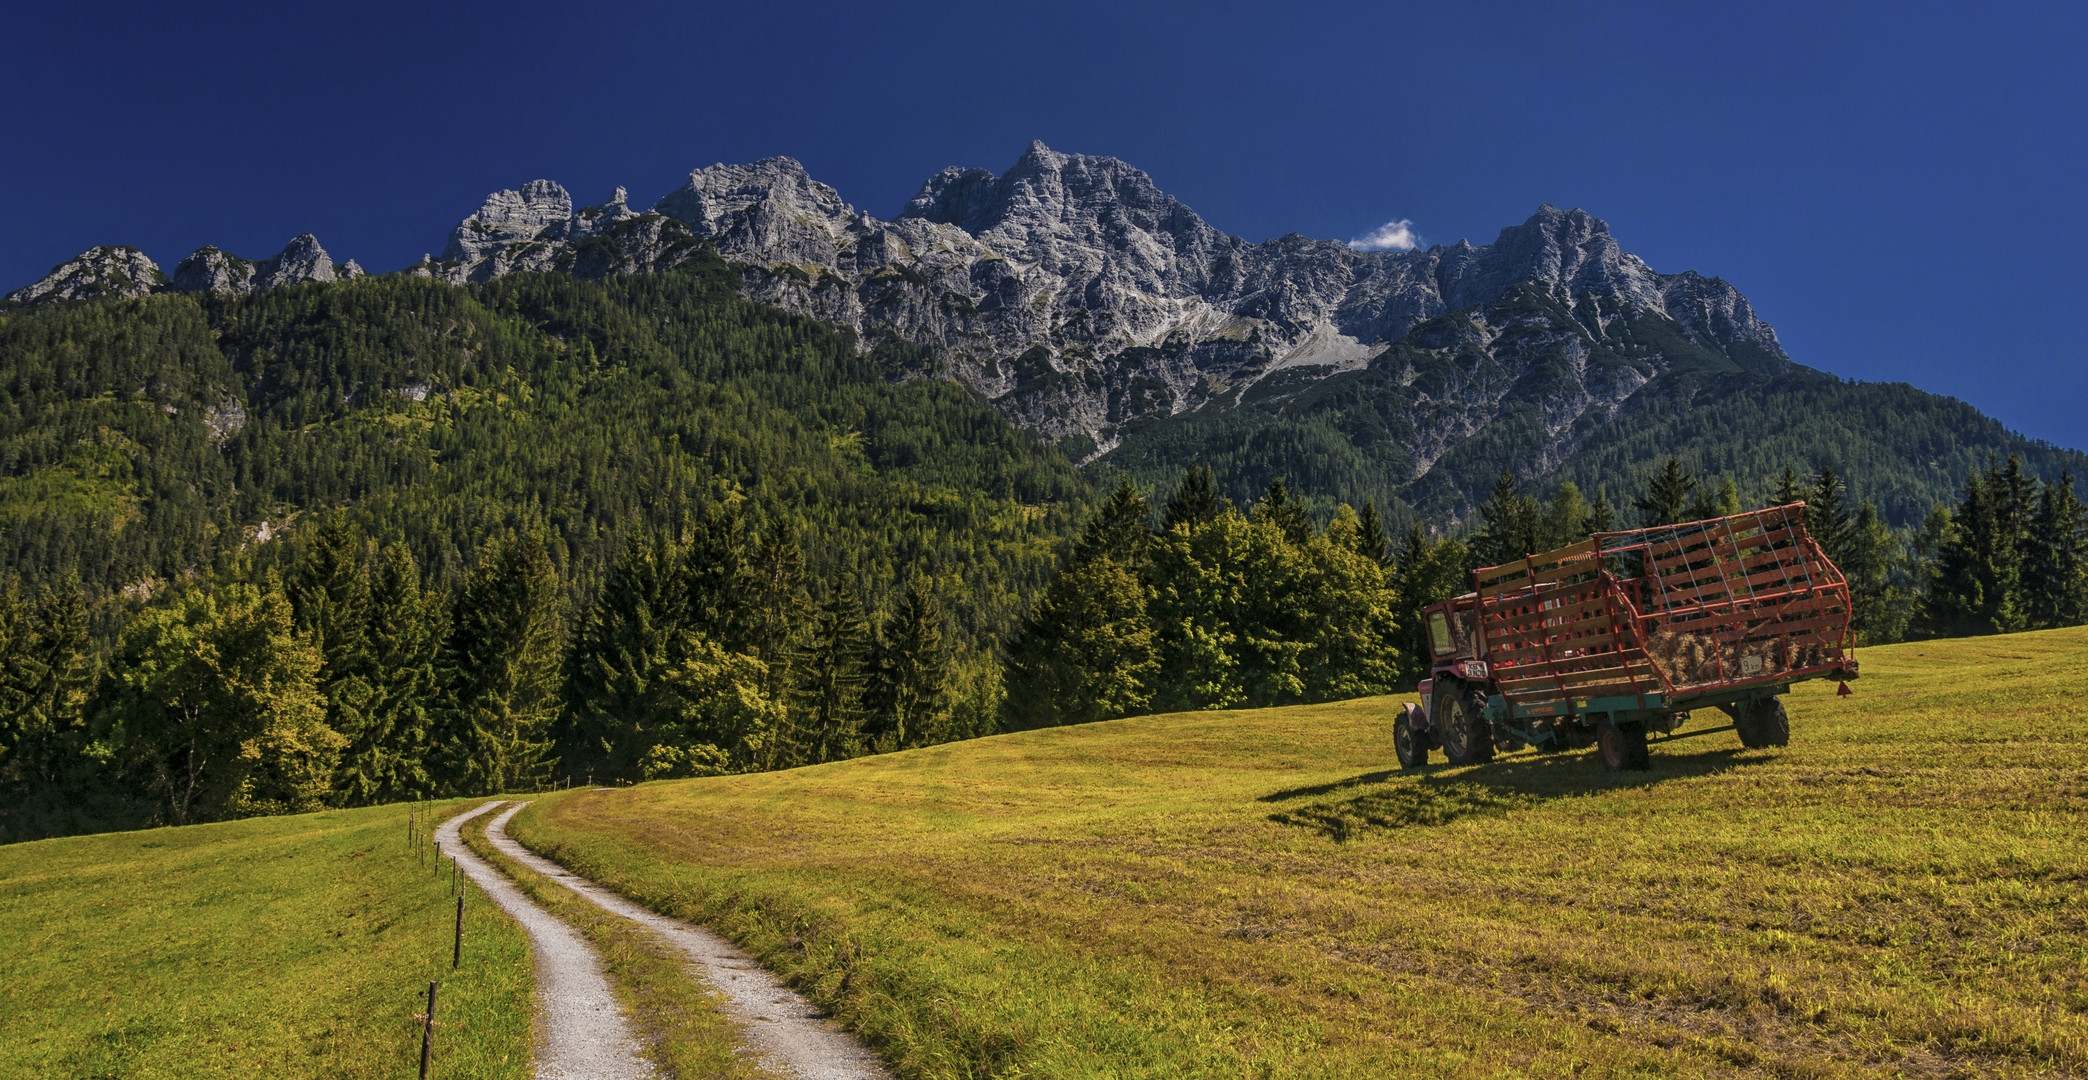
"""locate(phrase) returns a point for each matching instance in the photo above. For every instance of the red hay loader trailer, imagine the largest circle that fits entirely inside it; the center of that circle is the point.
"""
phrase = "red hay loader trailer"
(1601, 642)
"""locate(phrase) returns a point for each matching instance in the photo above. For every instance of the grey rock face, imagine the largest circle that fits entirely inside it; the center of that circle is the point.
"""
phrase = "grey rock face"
(1081, 299)
(95, 274)
(209, 269)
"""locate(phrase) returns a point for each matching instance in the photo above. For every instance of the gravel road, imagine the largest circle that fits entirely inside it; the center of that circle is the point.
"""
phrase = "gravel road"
(581, 1032)
(793, 1037)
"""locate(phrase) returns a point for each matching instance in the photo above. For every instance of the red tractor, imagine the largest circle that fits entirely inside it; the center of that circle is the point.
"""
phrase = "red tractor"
(1604, 641)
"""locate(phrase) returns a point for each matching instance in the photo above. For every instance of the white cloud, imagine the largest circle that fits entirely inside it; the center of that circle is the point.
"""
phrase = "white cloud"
(1391, 236)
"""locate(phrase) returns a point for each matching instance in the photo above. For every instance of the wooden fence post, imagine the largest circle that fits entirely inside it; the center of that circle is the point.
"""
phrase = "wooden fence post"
(457, 955)
(428, 1032)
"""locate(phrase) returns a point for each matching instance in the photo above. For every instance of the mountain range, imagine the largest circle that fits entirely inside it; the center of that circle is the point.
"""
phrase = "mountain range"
(1103, 314)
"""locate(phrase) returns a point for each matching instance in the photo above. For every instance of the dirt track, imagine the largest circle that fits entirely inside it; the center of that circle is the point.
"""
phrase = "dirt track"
(793, 1036)
(581, 1034)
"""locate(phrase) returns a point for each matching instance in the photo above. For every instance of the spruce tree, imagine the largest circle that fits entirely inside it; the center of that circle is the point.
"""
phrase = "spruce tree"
(1195, 502)
(2056, 561)
(1668, 493)
(1827, 518)
(1085, 653)
(1511, 524)
(827, 719)
(911, 687)
(502, 667)
(1287, 514)
(406, 631)
(1728, 502)
(614, 699)
(1119, 530)
(1370, 537)
(331, 594)
(1790, 489)
(1602, 517)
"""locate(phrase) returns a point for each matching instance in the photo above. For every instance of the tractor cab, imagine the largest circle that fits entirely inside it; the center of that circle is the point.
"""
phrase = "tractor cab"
(1454, 643)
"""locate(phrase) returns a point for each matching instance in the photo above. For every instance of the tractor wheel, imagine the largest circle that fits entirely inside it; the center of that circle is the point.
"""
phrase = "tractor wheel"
(1622, 746)
(1459, 719)
(1762, 723)
(1410, 745)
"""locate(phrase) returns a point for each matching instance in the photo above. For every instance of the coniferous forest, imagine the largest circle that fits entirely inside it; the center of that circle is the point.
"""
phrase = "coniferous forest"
(352, 543)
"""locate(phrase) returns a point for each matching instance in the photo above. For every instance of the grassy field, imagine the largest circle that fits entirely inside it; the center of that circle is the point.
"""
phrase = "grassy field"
(1902, 891)
(279, 947)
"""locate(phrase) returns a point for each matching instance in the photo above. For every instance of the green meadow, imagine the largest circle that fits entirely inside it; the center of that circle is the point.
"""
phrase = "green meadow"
(1902, 891)
(279, 947)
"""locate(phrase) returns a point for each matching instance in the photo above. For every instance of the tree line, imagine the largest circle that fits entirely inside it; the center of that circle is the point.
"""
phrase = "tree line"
(345, 680)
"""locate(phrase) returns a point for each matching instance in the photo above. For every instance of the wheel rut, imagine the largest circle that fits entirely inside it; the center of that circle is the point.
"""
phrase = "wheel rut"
(792, 1035)
(582, 1033)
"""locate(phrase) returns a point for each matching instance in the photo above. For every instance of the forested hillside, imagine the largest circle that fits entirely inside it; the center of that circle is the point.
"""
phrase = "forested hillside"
(406, 497)
(349, 542)
(1488, 389)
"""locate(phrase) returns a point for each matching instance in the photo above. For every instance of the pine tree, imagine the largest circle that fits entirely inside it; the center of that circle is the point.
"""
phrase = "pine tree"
(615, 703)
(1195, 502)
(502, 667)
(911, 687)
(828, 716)
(1602, 517)
(1511, 524)
(2056, 562)
(1789, 489)
(331, 595)
(406, 631)
(1667, 500)
(1285, 513)
(1370, 537)
(1827, 519)
(1085, 653)
(1877, 607)
(1977, 587)
(720, 604)
(1118, 530)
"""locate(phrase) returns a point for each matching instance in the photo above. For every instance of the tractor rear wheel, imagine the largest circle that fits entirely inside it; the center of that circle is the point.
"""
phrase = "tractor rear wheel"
(1459, 719)
(1410, 745)
(1622, 746)
(1762, 722)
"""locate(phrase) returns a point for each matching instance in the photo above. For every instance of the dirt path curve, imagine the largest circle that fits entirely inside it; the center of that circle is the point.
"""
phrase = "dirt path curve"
(794, 1037)
(581, 1034)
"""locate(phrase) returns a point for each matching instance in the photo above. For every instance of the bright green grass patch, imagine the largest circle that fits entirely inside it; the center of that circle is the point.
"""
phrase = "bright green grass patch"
(1902, 890)
(280, 947)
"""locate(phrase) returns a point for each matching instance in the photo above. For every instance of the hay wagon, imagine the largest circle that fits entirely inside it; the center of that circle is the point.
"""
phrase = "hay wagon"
(1626, 633)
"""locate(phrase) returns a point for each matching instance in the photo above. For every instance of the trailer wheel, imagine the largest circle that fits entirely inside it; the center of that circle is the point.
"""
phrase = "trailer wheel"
(1410, 745)
(1622, 746)
(1761, 723)
(1459, 718)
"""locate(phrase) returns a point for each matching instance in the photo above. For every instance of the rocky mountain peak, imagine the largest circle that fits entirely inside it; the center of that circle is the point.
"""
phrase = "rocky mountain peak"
(111, 270)
(508, 216)
(211, 269)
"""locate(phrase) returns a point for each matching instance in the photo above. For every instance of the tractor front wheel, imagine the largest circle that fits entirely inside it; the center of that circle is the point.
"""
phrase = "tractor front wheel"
(1623, 746)
(1410, 745)
(1459, 719)
(1761, 723)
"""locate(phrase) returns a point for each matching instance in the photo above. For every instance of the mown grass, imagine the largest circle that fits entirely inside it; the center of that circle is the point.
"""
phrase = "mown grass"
(1902, 891)
(685, 1032)
(282, 947)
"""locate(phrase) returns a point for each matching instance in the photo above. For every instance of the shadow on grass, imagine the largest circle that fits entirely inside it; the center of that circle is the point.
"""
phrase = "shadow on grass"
(1433, 798)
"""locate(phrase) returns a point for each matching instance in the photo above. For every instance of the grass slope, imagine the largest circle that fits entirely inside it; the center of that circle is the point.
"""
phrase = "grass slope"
(1260, 894)
(281, 947)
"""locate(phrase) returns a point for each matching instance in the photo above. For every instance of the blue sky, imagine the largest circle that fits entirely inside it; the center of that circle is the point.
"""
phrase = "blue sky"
(1897, 188)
